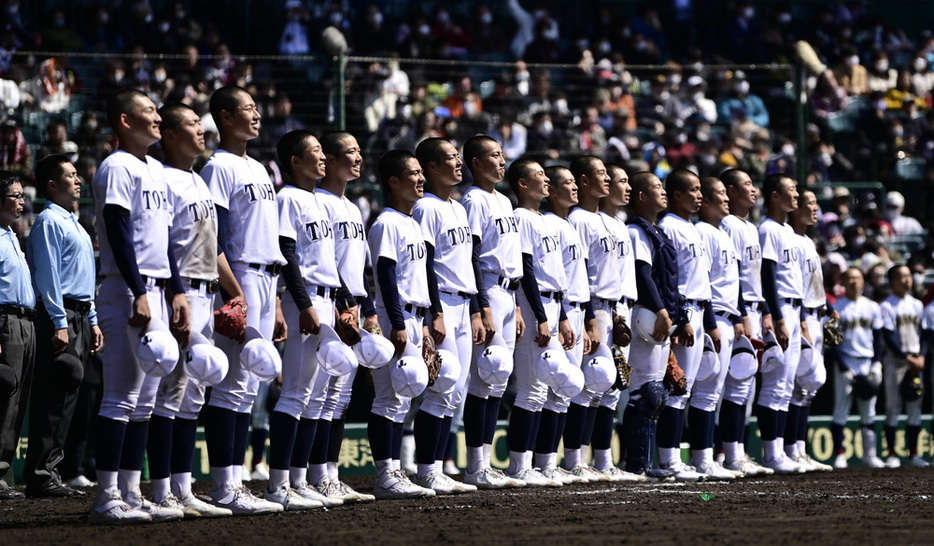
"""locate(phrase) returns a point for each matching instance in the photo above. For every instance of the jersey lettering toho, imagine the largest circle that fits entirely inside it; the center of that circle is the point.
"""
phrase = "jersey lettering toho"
(540, 240)
(812, 274)
(603, 267)
(491, 218)
(903, 316)
(779, 244)
(693, 278)
(745, 239)
(398, 237)
(859, 319)
(241, 185)
(574, 256)
(445, 226)
(724, 274)
(349, 240)
(305, 221)
(139, 187)
(194, 224)
(627, 261)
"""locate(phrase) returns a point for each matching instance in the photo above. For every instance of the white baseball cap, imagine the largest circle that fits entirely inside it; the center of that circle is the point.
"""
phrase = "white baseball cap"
(259, 357)
(333, 355)
(743, 361)
(157, 350)
(205, 363)
(450, 371)
(599, 369)
(568, 381)
(772, 355)
(408, 373)
(643, 323)
(373, 350)
(815, 379)
(494, 363)
(710, 361)
(806, 362)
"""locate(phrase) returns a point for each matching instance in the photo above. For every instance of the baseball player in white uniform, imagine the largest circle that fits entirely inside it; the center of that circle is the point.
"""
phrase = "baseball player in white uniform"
(450, 244)
(783, 289)
(397, 245)
(343, 165)
(133, 214)
(247, 226)
(497, 262)
(728, 309)
(738, 394)
(684, 193)
(858, 370)
(901, 329)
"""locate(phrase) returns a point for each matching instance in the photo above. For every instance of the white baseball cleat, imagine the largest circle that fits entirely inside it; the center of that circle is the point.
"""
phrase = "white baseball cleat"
(715, 472)
(290, 500)
(201, 508)
(918, 461)
(783, 465)
(443, 485)
(109, 509)
(840, 461)
(485, 478)
(158, 512)
(893, 461)
(397, 485)
(534, 478)
(307, 492)
(558, 474)
(816, 466)
(583, 472)
(260, 472)
(350, 495)
(748, 467)
(618, 475)
(684, 473)
(510, 482)
(450, 468)
(241, 502)
(873, 461)
(81, 481)
(804, 462)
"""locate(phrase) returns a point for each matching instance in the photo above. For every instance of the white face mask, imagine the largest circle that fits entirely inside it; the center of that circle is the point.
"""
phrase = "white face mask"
(486, 18)
(826, 159)
(664, 95)
(424, 30)
(443, 17)
(604, 47)
(547, 127)
(561, 106)
(743, 87)
(749, 12)
(583, 44)
(784, 18)
(880, 105)
(164, 27)
(697, 96)
(917, 280)
(378, 18)
(788, 149)
(470, 107)
(882, 66)
(920, 64)
(675, 79)
(682, 138)
(853, 60)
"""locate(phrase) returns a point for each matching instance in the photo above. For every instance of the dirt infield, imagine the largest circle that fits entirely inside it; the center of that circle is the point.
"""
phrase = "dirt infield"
(856, 505)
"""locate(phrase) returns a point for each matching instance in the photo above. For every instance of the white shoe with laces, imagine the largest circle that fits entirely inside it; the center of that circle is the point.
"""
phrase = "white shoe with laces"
(203, 509)
(396, 485)
(109, 509)
(918, 461)
(684, 473)
(158, 512)
(873, 461)
(485, 478)
(618, 475)
(450, 468)
(840, 462)
(893, 461)
(715, 472)
(241, 502)
(534, 478)
(441, 484)
(290, 500)
(307, 492)
(81, 481)
(783, 465)
(260, 472)
(560, 475)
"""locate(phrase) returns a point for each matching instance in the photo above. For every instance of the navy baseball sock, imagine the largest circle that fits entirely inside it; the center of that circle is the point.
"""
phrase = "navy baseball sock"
(533, 431)
(134, 445)
(587, 430)
(911, 438)
(427, 433)
(282, 432)
(574, 426)
(304, 439)
(241, 434)
(699, 428)
(442, 447)
(474, 420)
(781, 424)
(379, 432)
(890, 438)
(337, 437)
(836, 432)
(184, 432)
(159, 447)
(319, 449)
(492, 416)
(603, 428)
(768, 423)
(219, 433)
(451, 444)
(397, 433)
(258, 443)
(520, 426)
(546, 431)
(803, 414)
(730, 429)
(792, 418)
(670, 427)
(110, 434)
(559, 431)
(716, 438)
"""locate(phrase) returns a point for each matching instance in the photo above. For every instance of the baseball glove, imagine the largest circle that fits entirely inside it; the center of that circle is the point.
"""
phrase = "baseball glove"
(623, 370)
(374, 329)
(230, 320)
(833, 333)
(622, 334)
(675, 381)
(430, 356)
(347, 328)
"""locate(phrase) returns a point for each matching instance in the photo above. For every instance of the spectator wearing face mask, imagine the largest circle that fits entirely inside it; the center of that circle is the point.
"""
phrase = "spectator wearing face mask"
(850, 74)
(486, 35)
(922, 78)
(901, 224)
(697, 107)
(740, 102)
(881, 76)
(527, 25)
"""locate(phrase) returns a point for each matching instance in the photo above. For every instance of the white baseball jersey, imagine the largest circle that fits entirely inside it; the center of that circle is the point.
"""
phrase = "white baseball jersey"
(305, 221)
(812, 273)
(491, 218)
(241, 185)
(627, 260)
(693, 262)
(398, 237)
(779, 244)
(194, 224)
(745, 239)
(573, 255)
(445, 226)
(540, 240)
(859, 319)
(139, 187)
(643, 249)
(603, 267)
(903, 316)
(349, 239)
(724, 274)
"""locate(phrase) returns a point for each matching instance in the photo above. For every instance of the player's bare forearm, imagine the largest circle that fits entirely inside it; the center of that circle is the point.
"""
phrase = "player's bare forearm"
(715, 337)
(568, 339)
(398, 339)
(181, 319)
(592, 336)
(370, 322)
(308, 322)
(544, 334)
(588, 344)
(487, 318)
(226, 278)
(141, 314)
(520, 324)
(437, 328)
(477, 329)
(740, 329)
(281, 330)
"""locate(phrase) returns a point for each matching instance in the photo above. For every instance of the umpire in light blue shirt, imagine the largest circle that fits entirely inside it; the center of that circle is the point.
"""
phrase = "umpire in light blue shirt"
(17, 332)
(61, 260)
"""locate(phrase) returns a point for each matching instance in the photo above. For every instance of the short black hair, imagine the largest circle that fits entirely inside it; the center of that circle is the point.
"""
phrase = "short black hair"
(679, 180)
(430, 150)
(48, 168)
(122, 102)
(731, 177)
(552, 171)
(519, 169)
(890, 274)
(772, 183)
(707, 184)
(640, 182)
(474, 148)
(7, 179)
(226, 98)
(393, 163)
(582, 165)
(171, 115)
(331, 142)
(291, 144)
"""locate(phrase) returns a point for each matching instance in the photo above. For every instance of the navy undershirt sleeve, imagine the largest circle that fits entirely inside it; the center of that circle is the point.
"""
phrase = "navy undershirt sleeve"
(893, 344)
(292, 274)
(741, 305)
(878, 345)
(770, 291)
(562, 315)
(588, 311)
(710, 322)
(117, 222)
(530, 287)
(175, 280)
(648, 291)
(389, 290)
(433, 294)
(481, 297)
(222, 222)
